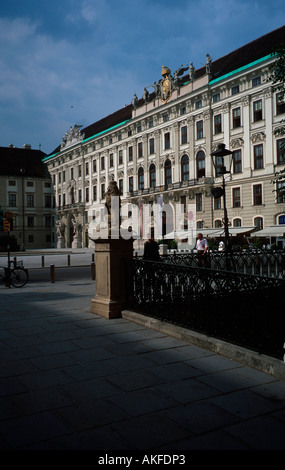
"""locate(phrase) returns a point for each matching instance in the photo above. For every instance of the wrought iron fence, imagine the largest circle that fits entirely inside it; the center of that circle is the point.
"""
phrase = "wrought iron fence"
(263, 263)
(162, 286)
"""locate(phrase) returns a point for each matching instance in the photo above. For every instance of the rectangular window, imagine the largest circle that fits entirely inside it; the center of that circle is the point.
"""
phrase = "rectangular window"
(237, 167)
(47, 221)
(86, 168)
(80, 195)
(12, 199)
(121, 186)
(236, 197)
(235, 90)
(111, 160)
(151, 146)
(71, 173)
(280, 191)
(281, 152)
(140, 149)
(217, 203)
(103, 191)
(257, 111)
(182, 111)
(257, 195)
(216, 97)
(30, 221)
(199, 127)
(130, 150)
(258, 156)
(150, 124)
(131, 184)
(280, 103)
(94, 193)
(218, 123)
(120, 157)
(167, 141)
(165, 118)
(86, 194)
(63, 176)
(30, 200)
(47, 200)
(94, 164)
(102, 163)
(256, 81)
(184, 135)
(199, 202)
(236, 118)
(79, 171)
(198, 104)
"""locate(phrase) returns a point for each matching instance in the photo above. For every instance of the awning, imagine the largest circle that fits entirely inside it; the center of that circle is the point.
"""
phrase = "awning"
(271, 231)
(209, 232)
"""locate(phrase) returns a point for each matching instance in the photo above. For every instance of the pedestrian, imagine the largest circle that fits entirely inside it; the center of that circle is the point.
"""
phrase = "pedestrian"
(151, 249)
(202, 248)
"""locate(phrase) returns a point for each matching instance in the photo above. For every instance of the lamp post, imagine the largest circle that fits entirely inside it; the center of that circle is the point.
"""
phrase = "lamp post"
(23, 171)
(222, 161)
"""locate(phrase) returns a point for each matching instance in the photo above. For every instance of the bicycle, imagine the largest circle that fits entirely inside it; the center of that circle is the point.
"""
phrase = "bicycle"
(17, 276)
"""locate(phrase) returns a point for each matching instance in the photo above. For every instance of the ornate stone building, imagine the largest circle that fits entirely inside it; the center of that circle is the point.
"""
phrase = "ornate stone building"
(160, 146)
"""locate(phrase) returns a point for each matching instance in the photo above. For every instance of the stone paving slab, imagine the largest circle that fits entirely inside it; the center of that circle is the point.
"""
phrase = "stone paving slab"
(71, 380)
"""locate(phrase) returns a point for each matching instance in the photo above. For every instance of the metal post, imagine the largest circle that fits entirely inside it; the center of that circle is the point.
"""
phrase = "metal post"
(52, 273)
(43, 261)
(93, 271)
(68, 260)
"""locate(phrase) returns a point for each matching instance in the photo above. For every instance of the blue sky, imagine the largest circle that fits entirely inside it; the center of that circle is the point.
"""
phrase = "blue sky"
(66, 62)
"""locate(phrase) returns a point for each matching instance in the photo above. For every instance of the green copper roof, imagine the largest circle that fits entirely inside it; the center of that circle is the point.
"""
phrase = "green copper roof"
(92, 137)
(240, 69)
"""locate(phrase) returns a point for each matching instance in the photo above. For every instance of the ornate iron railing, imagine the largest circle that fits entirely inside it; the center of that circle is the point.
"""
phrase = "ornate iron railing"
(263, 263)
(158, 286)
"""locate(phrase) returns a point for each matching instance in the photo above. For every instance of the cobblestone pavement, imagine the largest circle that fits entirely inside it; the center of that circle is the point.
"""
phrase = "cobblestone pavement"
(72, 380)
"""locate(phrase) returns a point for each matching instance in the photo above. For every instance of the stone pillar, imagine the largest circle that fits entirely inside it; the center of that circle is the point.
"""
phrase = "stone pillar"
(109, 300)
(110, 253)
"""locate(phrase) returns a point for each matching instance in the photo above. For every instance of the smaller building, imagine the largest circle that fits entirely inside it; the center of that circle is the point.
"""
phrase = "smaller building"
(26, 198)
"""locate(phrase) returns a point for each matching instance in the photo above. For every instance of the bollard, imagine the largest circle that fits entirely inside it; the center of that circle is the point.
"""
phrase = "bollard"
(52, 273)
(15, 261)
(68, 260)
(93, 257)
(43, 261)
(93, 271)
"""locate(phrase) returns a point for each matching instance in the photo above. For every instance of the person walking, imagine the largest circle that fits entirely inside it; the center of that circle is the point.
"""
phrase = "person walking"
(202, 248)
(151, 249)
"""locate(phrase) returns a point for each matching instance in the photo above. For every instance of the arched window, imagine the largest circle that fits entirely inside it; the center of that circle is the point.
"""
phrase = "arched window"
(200, 161)
(152, 176)
(167, 172)
(141, 178)
(258, 222)
(185, 168)
(237, 222)
(218, 223)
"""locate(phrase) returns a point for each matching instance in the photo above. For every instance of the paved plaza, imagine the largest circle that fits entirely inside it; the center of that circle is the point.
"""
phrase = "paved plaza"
(71, 380)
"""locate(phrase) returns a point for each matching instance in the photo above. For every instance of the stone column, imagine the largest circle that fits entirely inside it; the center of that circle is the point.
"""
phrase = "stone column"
(110, 254)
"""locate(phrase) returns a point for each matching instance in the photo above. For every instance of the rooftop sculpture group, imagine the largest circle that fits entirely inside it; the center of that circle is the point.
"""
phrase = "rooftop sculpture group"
(164, 88)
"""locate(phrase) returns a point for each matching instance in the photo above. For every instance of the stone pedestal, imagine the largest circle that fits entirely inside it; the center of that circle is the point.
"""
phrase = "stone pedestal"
(60, 242)
(76, 243)
(110, 276)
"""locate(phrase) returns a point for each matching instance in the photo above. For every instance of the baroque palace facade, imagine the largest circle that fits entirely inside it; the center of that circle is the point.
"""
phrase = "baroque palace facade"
(160, 145)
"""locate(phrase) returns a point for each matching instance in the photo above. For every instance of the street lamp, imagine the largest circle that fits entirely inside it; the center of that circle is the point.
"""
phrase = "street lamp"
(222, 161)
(23, 171)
